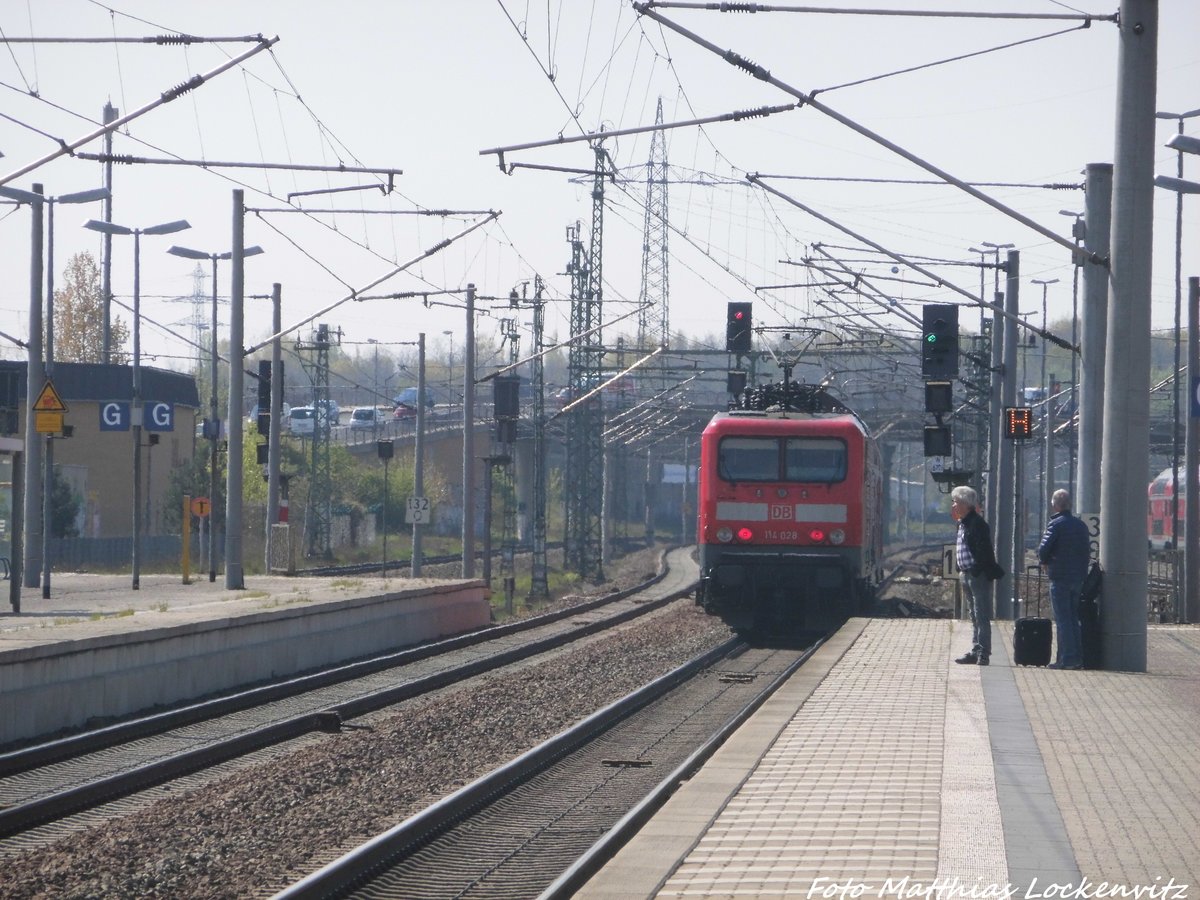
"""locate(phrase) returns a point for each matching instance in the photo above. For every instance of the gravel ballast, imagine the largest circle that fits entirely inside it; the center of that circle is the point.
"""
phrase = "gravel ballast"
(258, 830)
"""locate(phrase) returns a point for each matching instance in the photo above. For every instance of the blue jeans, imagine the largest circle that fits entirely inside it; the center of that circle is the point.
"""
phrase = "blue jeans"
(978, 591)
(1064, 598)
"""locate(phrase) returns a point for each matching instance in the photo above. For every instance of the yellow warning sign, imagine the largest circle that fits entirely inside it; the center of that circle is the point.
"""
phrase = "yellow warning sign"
(48, 422)
(48, 400)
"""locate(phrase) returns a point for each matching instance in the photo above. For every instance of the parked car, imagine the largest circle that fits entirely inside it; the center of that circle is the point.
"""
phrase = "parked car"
(303, 419)
(404, 411)
(252, 419)
(332, 409)
(365, 417)
(408, 397)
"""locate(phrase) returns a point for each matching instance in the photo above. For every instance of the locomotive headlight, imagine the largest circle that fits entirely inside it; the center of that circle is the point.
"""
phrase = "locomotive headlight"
(817, 535)
(744, 533)
(724, 534)
(837, 536)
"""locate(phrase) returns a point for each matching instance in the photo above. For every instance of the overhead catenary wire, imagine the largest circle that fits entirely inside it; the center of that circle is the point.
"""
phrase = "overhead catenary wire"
(910, 13)
(762, 74)
(62, 141)
(163, 40)
(995, 307)
(395, 271)
(165, 97)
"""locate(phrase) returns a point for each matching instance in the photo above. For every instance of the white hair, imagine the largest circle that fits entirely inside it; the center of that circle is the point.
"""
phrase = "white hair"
(966, 495)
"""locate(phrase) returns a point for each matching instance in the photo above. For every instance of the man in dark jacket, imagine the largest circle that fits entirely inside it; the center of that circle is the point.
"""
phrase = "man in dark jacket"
(1065, 553)
(977, 570)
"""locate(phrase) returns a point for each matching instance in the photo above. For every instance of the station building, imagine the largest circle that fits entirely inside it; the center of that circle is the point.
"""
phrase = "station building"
(96, 459)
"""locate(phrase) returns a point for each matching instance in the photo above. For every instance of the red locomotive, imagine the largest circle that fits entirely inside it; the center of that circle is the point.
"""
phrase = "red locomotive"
(790, 527)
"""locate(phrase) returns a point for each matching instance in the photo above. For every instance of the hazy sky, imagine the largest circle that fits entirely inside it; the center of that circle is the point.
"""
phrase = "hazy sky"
(424, 86)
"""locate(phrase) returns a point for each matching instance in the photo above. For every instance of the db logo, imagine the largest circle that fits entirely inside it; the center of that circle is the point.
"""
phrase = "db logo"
(781, 511)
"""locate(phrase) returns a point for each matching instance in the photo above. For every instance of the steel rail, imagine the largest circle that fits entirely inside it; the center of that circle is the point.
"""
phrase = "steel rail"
(383, 850)
(36, 756)
(595, 858)
(22, 817)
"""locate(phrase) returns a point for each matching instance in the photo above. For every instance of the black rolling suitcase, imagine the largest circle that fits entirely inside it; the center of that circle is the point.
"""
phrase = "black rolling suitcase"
(1032, 634)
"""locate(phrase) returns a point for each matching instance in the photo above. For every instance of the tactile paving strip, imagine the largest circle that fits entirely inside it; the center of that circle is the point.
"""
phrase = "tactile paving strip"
(972, 849)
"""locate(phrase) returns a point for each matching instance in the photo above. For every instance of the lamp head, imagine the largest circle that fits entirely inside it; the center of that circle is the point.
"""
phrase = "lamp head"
(106, 227)
(1184, 143)
(19, 195)
(187, 252)
(1179, 185)
(168, 227)
(84, 196)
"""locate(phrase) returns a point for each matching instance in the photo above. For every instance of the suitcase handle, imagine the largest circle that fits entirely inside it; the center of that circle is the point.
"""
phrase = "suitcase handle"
(1040, 577)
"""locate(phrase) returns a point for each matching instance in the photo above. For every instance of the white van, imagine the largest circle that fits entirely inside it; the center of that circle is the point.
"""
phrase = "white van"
(366, 417)
(303, 420)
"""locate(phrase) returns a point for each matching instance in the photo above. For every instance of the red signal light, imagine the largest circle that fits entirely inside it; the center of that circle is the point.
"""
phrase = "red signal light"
(739, 315)
(744, 533)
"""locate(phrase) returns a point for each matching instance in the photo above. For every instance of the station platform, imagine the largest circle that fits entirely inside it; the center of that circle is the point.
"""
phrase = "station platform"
(884, 769)
(97, 649)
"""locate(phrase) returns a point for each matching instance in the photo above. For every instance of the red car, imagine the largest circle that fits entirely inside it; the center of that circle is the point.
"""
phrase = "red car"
(404, 411)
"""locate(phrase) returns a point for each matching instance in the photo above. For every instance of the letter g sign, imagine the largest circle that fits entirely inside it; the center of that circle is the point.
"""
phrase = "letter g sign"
(160, 416)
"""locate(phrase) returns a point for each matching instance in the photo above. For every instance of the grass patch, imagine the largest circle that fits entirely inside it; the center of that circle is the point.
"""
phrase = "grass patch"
(250, 595)
(346, 584)
(98, 616)
(287, 600)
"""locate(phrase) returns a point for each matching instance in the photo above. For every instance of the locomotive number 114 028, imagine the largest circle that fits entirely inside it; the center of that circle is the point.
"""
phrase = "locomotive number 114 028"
(772, 535)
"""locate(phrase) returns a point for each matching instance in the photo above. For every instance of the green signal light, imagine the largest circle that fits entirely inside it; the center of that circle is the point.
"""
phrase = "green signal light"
(931, 338)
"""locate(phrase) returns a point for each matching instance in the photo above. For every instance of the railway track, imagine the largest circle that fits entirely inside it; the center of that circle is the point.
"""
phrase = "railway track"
(52, 788)
(544, 822)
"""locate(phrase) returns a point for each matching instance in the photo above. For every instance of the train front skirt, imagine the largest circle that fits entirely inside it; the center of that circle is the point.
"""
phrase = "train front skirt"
(781, 591)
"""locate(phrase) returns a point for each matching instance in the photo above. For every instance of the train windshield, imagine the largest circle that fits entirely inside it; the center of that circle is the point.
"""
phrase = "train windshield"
(815, 459)
(790, 459)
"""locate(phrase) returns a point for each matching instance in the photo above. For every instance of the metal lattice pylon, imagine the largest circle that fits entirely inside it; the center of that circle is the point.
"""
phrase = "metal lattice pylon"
(585, 430)
(654, 321)
(539, 588)
(318, 530)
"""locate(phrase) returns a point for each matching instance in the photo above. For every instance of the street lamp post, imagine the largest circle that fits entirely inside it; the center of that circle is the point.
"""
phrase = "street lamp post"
(214, 428)
(48, 472)
(375, 397)
(136, 404)
(1079, 232)
(1047, 415)
(1190, 611)
(1175, 409)
(992, 498)
(450, 371)
(984, 456)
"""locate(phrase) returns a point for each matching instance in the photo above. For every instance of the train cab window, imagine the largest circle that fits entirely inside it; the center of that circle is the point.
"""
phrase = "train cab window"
(815, 459)
(748, 459)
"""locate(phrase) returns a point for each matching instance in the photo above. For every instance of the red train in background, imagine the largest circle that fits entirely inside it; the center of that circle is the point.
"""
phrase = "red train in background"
(790, 528)
(1160, 525)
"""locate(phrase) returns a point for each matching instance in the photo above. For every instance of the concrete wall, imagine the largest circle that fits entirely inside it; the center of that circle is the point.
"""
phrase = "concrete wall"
(67, 683)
